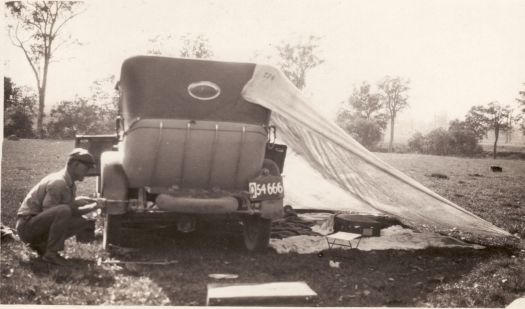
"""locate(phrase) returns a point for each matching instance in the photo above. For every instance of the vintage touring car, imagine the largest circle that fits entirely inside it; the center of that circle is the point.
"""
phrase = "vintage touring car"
(188, 148)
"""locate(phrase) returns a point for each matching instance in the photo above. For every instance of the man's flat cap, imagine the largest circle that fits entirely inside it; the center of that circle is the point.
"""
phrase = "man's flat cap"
(82, 155)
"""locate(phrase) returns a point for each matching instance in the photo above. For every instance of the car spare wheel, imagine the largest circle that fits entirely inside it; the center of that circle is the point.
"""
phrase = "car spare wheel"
(272, 167)
(256, 232)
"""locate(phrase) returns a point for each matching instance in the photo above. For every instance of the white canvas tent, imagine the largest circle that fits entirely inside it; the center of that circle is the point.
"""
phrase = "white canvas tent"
(353, 178)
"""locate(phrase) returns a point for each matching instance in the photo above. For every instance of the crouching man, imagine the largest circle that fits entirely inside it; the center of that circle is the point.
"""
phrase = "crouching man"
(51, 212)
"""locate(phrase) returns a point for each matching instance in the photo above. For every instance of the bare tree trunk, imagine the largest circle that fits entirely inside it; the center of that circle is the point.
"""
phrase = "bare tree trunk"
(496, 135)
(391, 144)
(42, 97)
(40, 116)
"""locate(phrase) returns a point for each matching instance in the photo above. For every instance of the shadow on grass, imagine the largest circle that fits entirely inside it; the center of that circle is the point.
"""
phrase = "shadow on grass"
(364, 278)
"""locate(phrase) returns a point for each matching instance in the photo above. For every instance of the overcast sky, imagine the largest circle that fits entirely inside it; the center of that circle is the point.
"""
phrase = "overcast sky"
(455, 53)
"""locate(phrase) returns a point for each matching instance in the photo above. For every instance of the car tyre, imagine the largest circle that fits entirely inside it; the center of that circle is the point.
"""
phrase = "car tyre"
(256, 233)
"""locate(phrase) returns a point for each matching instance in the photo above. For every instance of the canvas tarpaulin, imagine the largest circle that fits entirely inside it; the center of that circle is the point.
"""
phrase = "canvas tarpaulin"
(345, 163)
(306, 188)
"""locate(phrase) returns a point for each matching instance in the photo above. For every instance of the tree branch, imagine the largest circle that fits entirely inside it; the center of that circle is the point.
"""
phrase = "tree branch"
(40, 12)
(46, 22)
(65, 21)
(11, 37)
(38, 26)
(57, 46)
(21, 46)
(62, 43)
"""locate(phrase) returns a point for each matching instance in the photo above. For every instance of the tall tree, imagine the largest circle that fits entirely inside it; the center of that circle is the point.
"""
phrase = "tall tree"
(476, 121)
(37, 28)
(493, 116)
(297, 58)
(362, 116)
(394, 97)
(367, 105)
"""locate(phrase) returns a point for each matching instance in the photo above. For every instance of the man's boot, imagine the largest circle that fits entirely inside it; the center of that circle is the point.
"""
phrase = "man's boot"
(39, 248)
(55, 259)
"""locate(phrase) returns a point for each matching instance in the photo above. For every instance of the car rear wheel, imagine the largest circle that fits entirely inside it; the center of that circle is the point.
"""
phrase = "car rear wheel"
(256, 232)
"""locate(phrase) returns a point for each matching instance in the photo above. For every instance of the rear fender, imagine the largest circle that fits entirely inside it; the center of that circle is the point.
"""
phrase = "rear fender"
(114, 183)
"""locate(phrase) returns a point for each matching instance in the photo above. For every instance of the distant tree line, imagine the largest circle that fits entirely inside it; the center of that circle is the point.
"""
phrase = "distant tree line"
(457, 140)
(366, 113)
(462, 137)
(94, 114)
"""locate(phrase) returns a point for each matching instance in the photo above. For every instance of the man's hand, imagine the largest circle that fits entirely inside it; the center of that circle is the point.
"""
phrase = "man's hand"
(98, 204)
(84, 200)
(101, 203)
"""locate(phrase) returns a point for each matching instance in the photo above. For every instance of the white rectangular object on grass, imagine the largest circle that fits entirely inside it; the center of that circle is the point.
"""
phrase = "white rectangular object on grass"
(258, 294)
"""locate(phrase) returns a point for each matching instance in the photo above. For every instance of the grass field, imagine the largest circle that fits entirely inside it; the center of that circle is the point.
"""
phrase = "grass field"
(496, 197)
(421, 278)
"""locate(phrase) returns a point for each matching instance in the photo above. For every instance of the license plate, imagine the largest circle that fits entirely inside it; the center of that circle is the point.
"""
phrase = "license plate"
(267, 189)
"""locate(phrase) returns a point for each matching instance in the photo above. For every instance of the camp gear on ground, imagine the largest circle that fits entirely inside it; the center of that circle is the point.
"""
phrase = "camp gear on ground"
(364, 225)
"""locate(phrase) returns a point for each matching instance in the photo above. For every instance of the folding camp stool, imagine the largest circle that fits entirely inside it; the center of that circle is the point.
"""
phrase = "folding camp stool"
(343, 239)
